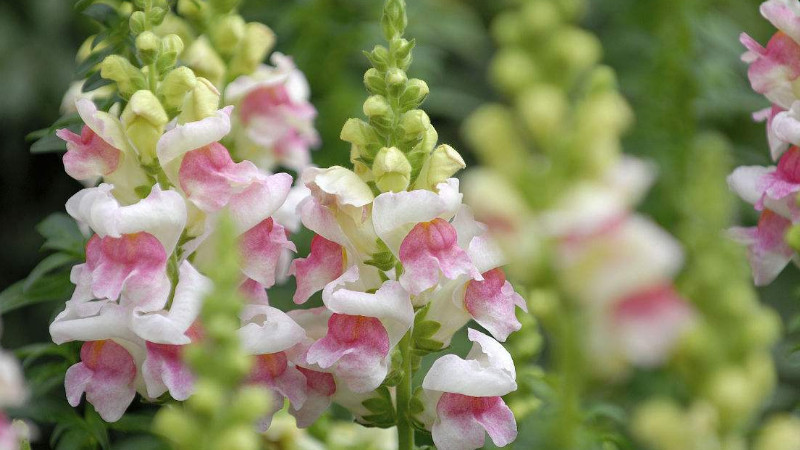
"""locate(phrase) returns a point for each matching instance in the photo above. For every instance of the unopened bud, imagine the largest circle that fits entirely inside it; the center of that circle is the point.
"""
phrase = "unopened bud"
(251, 402)
(491, 132)
(147, 47)
(793, 237)
(200, 102)
(376, 105)
(375, 82)
(129, 79)
(357, 132)
(227, 34)
(238, 438)
(144, 119)
(415, 93)
(512, 70)
(137, 22)
(175, 86)
(576, 49)
(507, 29)
(443, 163)
(224, 6)
(257, 42)
(379, 57)
(393, 21)
(414, 124)
(191, 8)
(395, 77)
(538, 18)
(392, 170)
(171, 47)
(543, 109)
(732, 392)
(205, 62)
(401, 50)
(156, 15)
(207, 398)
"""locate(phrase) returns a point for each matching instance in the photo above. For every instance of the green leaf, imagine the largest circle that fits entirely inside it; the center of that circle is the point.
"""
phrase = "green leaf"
(61, 232)
(133, 423)
(49, 144)
(80, 5)
(46, 266)
(95, 81)
(97, 428)
(92, 60)
(47, 288)
(31, 353)
(101, 12)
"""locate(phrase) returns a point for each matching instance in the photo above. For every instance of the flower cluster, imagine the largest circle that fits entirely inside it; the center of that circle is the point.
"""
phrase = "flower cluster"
(402, 266)
(773, 72)
(166, 179)
(567, 195)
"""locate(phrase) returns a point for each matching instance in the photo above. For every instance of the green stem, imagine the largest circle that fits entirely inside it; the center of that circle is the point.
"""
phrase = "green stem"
(568, 360)
(405, 431)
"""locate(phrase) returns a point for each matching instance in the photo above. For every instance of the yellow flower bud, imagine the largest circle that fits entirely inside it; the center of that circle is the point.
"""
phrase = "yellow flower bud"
(175, 86)
(442, 164)
(492, 134)
(395, 77)
(143, 120)
(539, 18)
(543, 109)
(576, 49)
(415, 124)
(129, 79)
(205, 62)
(734, 395)
(512, 69)
(257, 42)
(200, 102)
(357, 132)
(376, 105)
(415, 93)
(227, 34)
(148, 46)
(392, 170)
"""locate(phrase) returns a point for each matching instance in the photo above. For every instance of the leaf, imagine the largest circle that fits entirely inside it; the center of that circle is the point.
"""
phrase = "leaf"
(31, 353)
(101, 13)
(74, 439)
(95, 81)
(61, 232)
(92, 60)
(49, 144)
(132, 423)
(80, 5)
(47, 288)
(97, 427)
(46, 266)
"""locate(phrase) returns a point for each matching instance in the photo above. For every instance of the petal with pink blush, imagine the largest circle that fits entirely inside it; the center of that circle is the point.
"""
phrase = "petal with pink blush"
(261, 248)
(776, 145)
(106, 374)
(132, 268)
(358, 346)
(492, 301)
(773, 69)
(463, 421)
(767, 250)
(319, 219)
(324, 264)
(260, 199)
(273, 371)
(785, 15)
(429, 249)
(162, 214)
(649, 323)
(169, 327)
(209, 176)
(193, 135)
(88, 155)
(320, 387)
(165, 370)
(254, 292)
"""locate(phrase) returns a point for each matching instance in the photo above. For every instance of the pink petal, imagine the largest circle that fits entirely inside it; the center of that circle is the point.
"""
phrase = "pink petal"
(261, 248)
(357, 345)
(650, 322)
(767, 252)
(209, 176)
(463, 420)
(88, 155)
(784, 15)
(164, 370)
(774, 68)
(491, 303)
(259, 200)
(132, 266)
(324, 264)
(273, 371)
(106, 374)
(320, 387)
(431, 248)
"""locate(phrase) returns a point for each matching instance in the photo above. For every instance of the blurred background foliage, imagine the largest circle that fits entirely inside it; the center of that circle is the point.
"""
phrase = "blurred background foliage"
(677, 62)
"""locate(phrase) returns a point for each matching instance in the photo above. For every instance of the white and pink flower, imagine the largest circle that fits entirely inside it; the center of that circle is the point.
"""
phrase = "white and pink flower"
(275, 121)
(464, 396)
